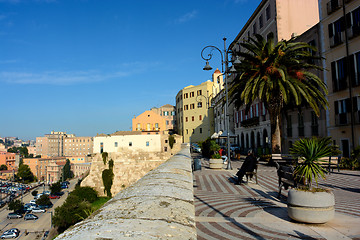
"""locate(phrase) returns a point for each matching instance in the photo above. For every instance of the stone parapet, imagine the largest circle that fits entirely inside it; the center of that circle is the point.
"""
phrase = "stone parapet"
(158, 206)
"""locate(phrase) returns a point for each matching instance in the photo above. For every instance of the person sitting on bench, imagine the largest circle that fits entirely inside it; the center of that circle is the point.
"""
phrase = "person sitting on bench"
(248, 166)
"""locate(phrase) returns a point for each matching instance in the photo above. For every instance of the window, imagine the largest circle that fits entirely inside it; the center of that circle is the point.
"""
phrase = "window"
(186, 119)
(301, 124)
(156, 126)
(166, 113)
(355, 69)
(173, 113)
(199, 92)
(116, 144)
(192, 118)
(187, 131)
(186, 95)
(200, 117)
(199, 105)
(289, 126)
(336, 32)
(138, 127)
(167, 122)
(338, 71)
(254, 28)
(192, 94)
(342, 108)
(261, 21)
(192, 106)
(193, 131)
(268, 13)
(148, 127)
(200, 130)
(314, 124)
(147, 144)
(186, 107)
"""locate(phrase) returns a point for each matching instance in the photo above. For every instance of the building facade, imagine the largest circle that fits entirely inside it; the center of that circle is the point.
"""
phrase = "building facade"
(340, 28)
(149, 122)
(195, 119)
(127, 140)
(168, 112)
(285, 19)
(58, 144)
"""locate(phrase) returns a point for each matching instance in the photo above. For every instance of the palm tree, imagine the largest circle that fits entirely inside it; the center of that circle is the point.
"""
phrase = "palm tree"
(277, 75)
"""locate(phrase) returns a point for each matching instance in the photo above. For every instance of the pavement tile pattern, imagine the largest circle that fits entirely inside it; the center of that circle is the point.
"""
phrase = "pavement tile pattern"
(225, 210)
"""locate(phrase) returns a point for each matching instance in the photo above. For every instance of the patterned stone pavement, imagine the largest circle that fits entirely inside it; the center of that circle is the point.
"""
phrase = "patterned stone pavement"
(250, 211)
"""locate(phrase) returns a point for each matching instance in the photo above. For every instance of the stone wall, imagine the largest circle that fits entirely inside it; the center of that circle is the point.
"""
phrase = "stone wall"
(158, 206)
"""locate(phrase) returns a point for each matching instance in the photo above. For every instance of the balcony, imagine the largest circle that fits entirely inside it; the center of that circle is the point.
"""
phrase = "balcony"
(342, 119)
(315, 130)
(250, 122)
(353, 31)
(333, 5)
(337, 39)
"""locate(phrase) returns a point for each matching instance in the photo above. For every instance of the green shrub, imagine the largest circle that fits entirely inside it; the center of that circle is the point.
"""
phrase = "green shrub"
(104, 156)
(171, 141)
(107, 177)
(43, 200)
(85, 194)
(216, 156)
(349, 163)
(209, 147)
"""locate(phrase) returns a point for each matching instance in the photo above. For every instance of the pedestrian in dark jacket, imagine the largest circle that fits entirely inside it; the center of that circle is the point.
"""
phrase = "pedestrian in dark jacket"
(248, 166)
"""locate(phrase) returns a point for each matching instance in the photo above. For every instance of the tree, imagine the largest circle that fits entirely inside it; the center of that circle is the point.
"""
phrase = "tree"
(55, 187)
(43, 200)
(16, 205)
(277, 75)
(3, 167)
(71, 212)
(34, 193)
(25, 173)
(21, 150)
(85, 194)
(67, 170)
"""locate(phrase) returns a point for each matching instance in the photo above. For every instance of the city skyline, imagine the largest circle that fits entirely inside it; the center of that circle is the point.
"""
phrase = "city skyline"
(87, 67)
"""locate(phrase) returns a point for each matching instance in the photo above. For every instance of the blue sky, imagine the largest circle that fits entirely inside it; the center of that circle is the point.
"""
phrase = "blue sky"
(88, 66)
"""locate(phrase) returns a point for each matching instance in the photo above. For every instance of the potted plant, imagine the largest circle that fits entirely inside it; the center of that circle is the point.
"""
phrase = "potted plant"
(307, 203)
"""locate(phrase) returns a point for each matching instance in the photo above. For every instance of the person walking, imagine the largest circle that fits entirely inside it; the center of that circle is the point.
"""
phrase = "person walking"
(248, 166)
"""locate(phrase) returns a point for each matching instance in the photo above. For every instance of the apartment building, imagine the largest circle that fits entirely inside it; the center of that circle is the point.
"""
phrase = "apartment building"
(11, 160)
(40, 167)
(149, 122)
(340, 28)
(195, 119)
(303, 122)
(284, 18)
(58, 144)
(169, 113)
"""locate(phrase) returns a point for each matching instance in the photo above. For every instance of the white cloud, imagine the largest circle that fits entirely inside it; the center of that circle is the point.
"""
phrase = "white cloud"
(58, 78)
(186, 17)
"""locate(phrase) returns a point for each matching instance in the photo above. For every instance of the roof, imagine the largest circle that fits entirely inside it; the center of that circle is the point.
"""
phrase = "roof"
(123, 133)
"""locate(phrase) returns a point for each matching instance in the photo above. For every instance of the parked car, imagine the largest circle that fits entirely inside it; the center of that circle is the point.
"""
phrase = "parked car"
(33, 201)
(45, 206)
(12, 230)
(14, 215)
(46, 192)
(9, 235)
(195, 148)
(38, 210)
(54, 196)
(59, 193)
(30, 216)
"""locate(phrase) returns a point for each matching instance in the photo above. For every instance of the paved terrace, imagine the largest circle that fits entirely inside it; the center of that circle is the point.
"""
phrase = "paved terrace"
(224, 210)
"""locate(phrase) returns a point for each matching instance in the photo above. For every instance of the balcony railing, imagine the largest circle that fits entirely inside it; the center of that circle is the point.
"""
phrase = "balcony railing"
(333, 5)
(337, 39)
(342, 119)
(315, 130)
(250, 122)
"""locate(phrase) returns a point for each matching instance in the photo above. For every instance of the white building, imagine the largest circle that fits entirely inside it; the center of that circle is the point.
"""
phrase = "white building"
(127, 140)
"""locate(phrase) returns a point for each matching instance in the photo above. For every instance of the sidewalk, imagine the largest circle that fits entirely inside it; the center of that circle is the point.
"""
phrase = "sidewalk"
(250, 211)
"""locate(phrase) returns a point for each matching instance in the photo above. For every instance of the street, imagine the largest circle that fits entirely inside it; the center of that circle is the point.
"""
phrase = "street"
(35, 228)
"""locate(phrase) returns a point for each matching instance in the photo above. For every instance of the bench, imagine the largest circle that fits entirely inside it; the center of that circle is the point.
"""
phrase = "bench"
(286, 177)
(283, 159)
(329, 163)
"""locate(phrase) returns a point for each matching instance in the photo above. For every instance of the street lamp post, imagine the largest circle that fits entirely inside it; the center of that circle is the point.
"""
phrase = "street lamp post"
(224, 64)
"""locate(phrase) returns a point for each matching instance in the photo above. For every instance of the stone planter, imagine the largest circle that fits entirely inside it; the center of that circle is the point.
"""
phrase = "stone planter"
(216, 163)
(311, 207)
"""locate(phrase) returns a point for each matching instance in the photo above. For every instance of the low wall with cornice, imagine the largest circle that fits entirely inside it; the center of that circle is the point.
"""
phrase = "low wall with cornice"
(158, 206)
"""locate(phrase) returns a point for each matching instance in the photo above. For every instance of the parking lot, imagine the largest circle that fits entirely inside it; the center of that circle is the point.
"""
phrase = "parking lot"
(33, 229)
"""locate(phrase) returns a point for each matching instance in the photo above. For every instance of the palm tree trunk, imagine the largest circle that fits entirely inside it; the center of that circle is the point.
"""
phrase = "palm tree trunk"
(275, 133)
(275, 123)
